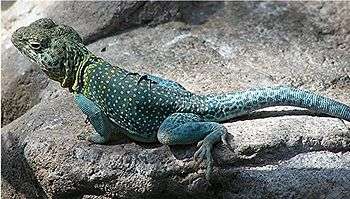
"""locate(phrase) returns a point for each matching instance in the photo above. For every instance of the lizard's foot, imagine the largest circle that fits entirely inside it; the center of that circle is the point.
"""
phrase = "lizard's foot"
(97, 118)
(98, 139)
(84, 135)
(206, 146)
(204, 151)
(187, 128)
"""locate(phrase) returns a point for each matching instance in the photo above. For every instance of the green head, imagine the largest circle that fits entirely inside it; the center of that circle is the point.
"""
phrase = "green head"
(57, 49)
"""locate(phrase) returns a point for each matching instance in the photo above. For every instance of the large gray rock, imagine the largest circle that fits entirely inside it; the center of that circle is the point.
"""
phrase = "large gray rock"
(279, 152)
(94, 20)
(251, 44)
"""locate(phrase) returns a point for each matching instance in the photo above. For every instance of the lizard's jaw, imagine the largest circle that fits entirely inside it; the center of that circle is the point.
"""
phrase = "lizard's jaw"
(56, 73)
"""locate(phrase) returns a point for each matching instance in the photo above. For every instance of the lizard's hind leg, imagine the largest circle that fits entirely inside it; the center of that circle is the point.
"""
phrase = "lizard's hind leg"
(188, 128)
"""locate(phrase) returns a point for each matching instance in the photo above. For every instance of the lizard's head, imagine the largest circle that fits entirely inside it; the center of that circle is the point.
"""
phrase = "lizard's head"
(57, 49)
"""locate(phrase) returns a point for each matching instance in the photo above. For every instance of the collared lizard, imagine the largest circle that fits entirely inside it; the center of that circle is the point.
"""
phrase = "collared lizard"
(148, 108)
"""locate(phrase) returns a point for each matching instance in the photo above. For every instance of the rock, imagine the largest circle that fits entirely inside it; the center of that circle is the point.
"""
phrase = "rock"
(98, 19)
(307, 175)
(6, 4)
(279, 152)
(94, 20)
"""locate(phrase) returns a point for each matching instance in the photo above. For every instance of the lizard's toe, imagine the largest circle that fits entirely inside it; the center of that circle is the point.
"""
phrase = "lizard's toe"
(97, 139)
(204, 152)
(225, 141)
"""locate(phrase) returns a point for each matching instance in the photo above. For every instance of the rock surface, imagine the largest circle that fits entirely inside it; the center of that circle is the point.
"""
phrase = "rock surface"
(279, 152)
(98, 19)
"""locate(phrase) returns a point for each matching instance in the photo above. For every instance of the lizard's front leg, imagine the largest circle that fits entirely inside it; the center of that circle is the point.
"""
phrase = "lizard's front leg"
(97, 118)
(188, 128)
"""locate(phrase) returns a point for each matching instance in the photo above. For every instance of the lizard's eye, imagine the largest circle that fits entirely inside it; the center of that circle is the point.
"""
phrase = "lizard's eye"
(35, 45)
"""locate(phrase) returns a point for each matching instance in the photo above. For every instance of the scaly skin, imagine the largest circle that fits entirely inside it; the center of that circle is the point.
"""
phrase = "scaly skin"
(144, 107)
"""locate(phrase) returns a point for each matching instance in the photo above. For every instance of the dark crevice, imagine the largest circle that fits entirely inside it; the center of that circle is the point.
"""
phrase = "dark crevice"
(268, 114)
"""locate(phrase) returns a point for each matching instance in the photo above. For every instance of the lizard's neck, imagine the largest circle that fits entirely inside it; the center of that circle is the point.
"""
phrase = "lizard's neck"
(84, 64)
(76, 58)
(85, 72)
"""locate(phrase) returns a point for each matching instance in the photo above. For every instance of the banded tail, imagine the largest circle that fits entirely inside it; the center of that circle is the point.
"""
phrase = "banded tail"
(227, 106)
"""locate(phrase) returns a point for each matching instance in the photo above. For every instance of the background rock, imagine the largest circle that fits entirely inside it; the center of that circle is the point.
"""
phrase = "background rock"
(21, 85)
(280, 152)
(98, 19)
(251, 44)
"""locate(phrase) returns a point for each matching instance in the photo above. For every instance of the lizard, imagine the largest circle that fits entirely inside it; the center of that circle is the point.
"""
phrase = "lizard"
(148, 108)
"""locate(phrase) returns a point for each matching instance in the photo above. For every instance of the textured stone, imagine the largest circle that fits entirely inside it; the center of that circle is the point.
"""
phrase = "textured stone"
(279, 152)
(21, 84)
(98, 19)
(250, 44)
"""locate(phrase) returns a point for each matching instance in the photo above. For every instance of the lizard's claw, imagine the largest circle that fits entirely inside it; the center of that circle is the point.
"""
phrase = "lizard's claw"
(225, 142)
(204, 151)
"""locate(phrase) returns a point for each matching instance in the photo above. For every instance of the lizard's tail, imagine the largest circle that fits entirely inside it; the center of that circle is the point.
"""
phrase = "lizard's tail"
(228, 106)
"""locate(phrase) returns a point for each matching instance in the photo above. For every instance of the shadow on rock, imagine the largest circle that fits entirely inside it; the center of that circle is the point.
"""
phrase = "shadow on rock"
(267, 114)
